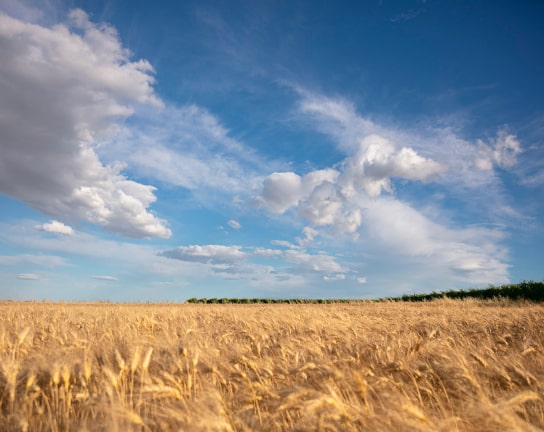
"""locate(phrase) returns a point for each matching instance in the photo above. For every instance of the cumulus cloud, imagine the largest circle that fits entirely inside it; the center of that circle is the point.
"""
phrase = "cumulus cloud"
(56, 227)
(377, 161)
(463, 162)
(357, 196)
(63, 90)
(282, 190)
(332, 197)
(329, 197)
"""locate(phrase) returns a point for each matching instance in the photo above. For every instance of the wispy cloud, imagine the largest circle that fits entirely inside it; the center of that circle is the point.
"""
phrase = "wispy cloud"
(22, 11)
(105, 278)
(238, 259)
(28, 276)
(530, 169)
(234, 224)
(136, 262)
(472, 254)
(309, 236)
(408, 15)
(30, 259)
(160, 141)
(336, 277)
(124, 255)
(208, 254)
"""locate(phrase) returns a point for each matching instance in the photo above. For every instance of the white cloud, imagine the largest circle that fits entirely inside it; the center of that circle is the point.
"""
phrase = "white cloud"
(137, 264)
(466, 254)
(266, 253)
(56, 227)
(236, 259)
(281, 191)
(187, 146)
(507, 148)
(398, 239)
(377, 160)
(360, 198)
(323, 205)
(330, 197)
(209, 254)
(131, 257)
(309, 235)
(502, 152)
(18, 9)
(316, 263)
(462, 162)
(284, 243)
(30, 259)
(105, 278)
(336, 277)
(162, 284)
(337, 118)
(28, 276)
(63, 90)
(234, 224)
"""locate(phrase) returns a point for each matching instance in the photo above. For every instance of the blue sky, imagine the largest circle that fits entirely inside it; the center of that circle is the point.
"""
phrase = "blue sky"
(157, 151)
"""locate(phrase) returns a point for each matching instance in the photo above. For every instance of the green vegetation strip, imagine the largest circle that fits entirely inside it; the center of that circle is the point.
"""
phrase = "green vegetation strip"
(526, 290)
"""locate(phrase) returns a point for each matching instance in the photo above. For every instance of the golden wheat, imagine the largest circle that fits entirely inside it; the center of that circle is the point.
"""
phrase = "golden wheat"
(438, 366)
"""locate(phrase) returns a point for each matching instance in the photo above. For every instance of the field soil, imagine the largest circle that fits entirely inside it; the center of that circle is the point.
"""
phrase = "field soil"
(436, 366)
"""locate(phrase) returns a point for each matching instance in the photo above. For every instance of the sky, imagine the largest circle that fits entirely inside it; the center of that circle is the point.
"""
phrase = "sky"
(158, 151)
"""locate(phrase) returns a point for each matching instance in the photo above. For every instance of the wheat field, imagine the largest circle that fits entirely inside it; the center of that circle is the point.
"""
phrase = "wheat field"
(437, 366)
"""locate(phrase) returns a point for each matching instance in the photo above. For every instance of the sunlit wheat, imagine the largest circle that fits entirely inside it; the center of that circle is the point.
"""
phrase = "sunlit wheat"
(437, 366)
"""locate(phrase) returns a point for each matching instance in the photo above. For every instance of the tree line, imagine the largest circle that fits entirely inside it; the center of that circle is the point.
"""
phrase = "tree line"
(526, 290)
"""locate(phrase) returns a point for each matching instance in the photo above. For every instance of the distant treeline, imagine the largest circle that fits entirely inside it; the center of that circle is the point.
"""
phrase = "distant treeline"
(526, 290)
(268, 301)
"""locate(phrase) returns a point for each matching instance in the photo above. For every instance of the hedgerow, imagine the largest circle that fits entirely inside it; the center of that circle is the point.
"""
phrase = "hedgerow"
(526, 290)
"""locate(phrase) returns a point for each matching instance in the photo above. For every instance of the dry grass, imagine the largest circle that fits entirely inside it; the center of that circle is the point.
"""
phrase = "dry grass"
(440, 366)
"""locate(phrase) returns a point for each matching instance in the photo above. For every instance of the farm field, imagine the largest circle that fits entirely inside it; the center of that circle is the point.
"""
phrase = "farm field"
(445, 365)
